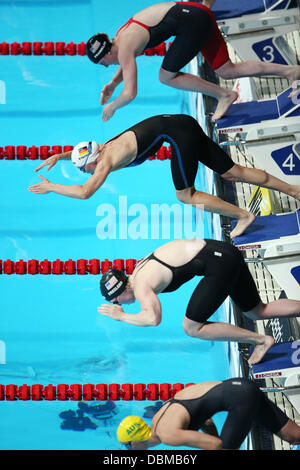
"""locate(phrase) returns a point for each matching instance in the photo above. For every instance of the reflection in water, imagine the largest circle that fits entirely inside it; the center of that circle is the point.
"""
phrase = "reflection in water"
(76, 420)
(79, 370)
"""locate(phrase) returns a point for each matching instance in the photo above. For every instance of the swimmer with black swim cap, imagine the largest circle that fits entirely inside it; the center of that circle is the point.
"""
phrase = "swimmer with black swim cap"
(112, 285)
(224, 272)
(97, 47)
(195, 30)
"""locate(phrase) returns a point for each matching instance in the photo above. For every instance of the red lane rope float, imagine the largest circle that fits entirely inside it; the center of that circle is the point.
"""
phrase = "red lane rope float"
(21, 152)
(89, 392)
(60, 48)
(69, 267)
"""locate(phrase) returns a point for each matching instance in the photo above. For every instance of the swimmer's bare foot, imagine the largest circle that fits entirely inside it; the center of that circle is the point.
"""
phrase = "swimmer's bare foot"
(293, 73)
(296, 193)
(224, 102)
(261, 349)
(295, 95)
(243, 224)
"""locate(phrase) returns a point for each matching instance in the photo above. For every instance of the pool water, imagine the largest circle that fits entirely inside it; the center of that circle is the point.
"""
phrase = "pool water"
(50, 324)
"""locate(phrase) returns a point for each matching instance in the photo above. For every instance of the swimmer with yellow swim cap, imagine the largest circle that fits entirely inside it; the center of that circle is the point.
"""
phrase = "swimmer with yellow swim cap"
(133, 428)
(178, 421)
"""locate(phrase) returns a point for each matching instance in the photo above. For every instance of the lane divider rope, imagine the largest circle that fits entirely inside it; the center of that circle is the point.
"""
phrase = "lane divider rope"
(60, 48)
(89, 392)
(70, 267)
(22, 152)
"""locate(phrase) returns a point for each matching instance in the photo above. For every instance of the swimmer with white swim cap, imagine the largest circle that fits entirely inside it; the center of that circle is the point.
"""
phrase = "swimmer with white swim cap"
(189, 146)
(177, 422)
(84, 153)
(224, 272)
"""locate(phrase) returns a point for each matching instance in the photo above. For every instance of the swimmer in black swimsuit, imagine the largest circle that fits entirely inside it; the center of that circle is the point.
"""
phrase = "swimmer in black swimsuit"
(195, 30)
(189, 146)
(177, 422)
(225, 274)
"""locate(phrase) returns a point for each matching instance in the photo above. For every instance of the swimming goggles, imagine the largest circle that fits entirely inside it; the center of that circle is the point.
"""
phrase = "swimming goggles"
(89, 153)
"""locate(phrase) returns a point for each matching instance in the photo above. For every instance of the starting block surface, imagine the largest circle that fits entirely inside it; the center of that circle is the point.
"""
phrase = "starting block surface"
(282, 360)
(270, 228)
(261, 112)
(224, 9)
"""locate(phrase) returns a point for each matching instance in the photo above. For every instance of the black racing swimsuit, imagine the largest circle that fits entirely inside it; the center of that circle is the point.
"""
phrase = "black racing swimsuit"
(174, 21)
(189, 146)
(194, 29)
(224, 272)
(246, 404)
(191, 27)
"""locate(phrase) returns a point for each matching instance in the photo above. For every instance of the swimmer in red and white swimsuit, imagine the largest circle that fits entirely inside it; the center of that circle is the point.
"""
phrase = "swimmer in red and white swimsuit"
(195, 30)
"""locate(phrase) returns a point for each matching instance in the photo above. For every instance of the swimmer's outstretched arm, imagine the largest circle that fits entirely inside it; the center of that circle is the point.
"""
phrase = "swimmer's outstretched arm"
(51, 161)
(129, 74)
(108, 89)
(76, 191)
(198, 440)
(118, 77)
(150, 314)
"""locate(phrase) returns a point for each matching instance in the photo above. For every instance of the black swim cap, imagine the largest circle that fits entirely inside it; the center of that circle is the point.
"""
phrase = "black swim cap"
(113, 283)
(97, 46)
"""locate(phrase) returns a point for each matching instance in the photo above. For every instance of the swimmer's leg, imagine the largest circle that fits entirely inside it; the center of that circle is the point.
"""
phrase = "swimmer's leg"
(190, 82)
(256, 68)
(216, 205)
(215, 331)
(261, 178)
(290, 432)
(275, 309)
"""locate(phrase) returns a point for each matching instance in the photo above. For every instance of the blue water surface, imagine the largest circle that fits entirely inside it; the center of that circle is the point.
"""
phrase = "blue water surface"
(49, 324)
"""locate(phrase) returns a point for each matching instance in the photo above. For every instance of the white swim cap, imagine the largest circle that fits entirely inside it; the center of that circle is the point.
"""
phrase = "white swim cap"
(84, 153)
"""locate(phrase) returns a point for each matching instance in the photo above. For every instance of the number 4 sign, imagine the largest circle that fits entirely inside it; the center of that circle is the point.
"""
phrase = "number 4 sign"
(288, 159)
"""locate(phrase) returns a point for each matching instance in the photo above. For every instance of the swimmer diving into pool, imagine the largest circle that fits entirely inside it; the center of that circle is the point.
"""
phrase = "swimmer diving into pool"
(195, 30)
(224, 272)
(189, 146)
(177, 422)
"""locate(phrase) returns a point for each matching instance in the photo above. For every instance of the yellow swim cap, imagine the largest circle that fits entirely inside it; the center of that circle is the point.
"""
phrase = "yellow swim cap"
(133, 428)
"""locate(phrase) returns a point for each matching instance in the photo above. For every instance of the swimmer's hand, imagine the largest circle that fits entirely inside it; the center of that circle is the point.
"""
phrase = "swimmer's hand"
(108, 112)
(208, 3)
(113, 311)
(41, 188)
(51, 161)
(106, 93)
(294, 95)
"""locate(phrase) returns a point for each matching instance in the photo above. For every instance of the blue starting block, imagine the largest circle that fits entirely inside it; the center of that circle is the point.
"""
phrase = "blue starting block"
(270, 131)
(255, 29)
(262, 118)
(276, 238)
(227, 9)
(282, 363)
